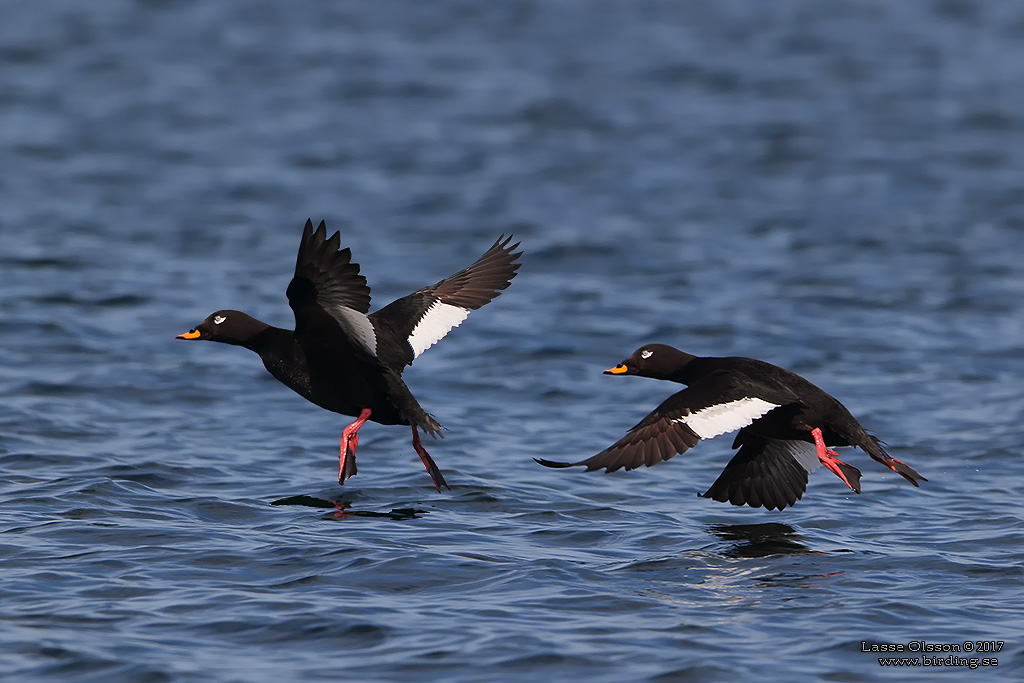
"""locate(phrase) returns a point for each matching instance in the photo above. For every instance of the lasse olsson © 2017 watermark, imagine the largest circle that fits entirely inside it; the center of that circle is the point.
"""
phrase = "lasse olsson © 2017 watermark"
(984, 647)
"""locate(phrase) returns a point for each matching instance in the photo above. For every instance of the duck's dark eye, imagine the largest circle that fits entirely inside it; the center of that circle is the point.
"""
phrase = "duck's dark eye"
(218, 319)
(646, 353)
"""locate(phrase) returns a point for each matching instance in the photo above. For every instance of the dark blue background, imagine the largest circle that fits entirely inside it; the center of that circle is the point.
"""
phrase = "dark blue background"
(837, 188)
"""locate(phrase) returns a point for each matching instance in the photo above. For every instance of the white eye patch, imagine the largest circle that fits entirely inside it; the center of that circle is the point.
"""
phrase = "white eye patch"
(218, 319)
(646, 353)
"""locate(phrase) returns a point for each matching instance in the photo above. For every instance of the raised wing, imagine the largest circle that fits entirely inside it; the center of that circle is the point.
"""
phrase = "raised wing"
(327, 287)
(715, 404)
(419, 320)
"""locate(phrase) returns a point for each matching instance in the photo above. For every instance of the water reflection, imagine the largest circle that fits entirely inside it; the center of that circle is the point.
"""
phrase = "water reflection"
(759, 540)
(344, 508)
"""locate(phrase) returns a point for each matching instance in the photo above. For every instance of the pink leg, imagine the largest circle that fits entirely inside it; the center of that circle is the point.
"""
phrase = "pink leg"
(428, 462)
(829, 459)
(904, 470)
(349, 440)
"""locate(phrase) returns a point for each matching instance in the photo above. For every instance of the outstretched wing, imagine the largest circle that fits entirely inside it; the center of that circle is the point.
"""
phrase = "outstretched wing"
(327, 290)
(655, 439)
(765, 472)
(715, 404)
(417, 321)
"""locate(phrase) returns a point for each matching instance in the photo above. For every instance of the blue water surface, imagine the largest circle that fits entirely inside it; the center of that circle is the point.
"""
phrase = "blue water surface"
(837, 188)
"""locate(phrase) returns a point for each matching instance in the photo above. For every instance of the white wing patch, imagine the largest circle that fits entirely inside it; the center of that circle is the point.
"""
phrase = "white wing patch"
(805, 454)
(726, 417)
(437, 321)
(357, 326)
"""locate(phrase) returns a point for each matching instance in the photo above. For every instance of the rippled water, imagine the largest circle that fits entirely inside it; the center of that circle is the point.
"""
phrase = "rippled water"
(833, 187)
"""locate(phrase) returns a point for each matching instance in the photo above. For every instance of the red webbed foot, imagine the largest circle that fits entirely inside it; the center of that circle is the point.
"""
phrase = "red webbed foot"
(428, 462)
(829, 458)
(349, 441)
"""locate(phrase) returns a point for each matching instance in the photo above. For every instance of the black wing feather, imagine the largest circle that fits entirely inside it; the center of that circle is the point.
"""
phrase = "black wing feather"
(763, 473)
(469, 289)
(327, 291)
(661, 435)
(658, 437)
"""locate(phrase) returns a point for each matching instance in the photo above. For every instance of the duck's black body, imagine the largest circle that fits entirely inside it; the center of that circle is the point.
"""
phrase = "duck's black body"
(346, 361)
(316, 370)
(786, 426)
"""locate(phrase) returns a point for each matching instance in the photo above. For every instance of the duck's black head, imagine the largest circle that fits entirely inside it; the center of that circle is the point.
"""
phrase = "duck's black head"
(654, 360)
(227, 327)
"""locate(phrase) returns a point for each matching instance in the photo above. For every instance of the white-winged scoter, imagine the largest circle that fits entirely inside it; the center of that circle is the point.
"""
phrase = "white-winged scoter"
(786, 424)
(346, 361)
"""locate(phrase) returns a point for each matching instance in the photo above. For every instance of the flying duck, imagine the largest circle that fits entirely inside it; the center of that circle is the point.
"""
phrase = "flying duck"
(349, 362)
(787, 427)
